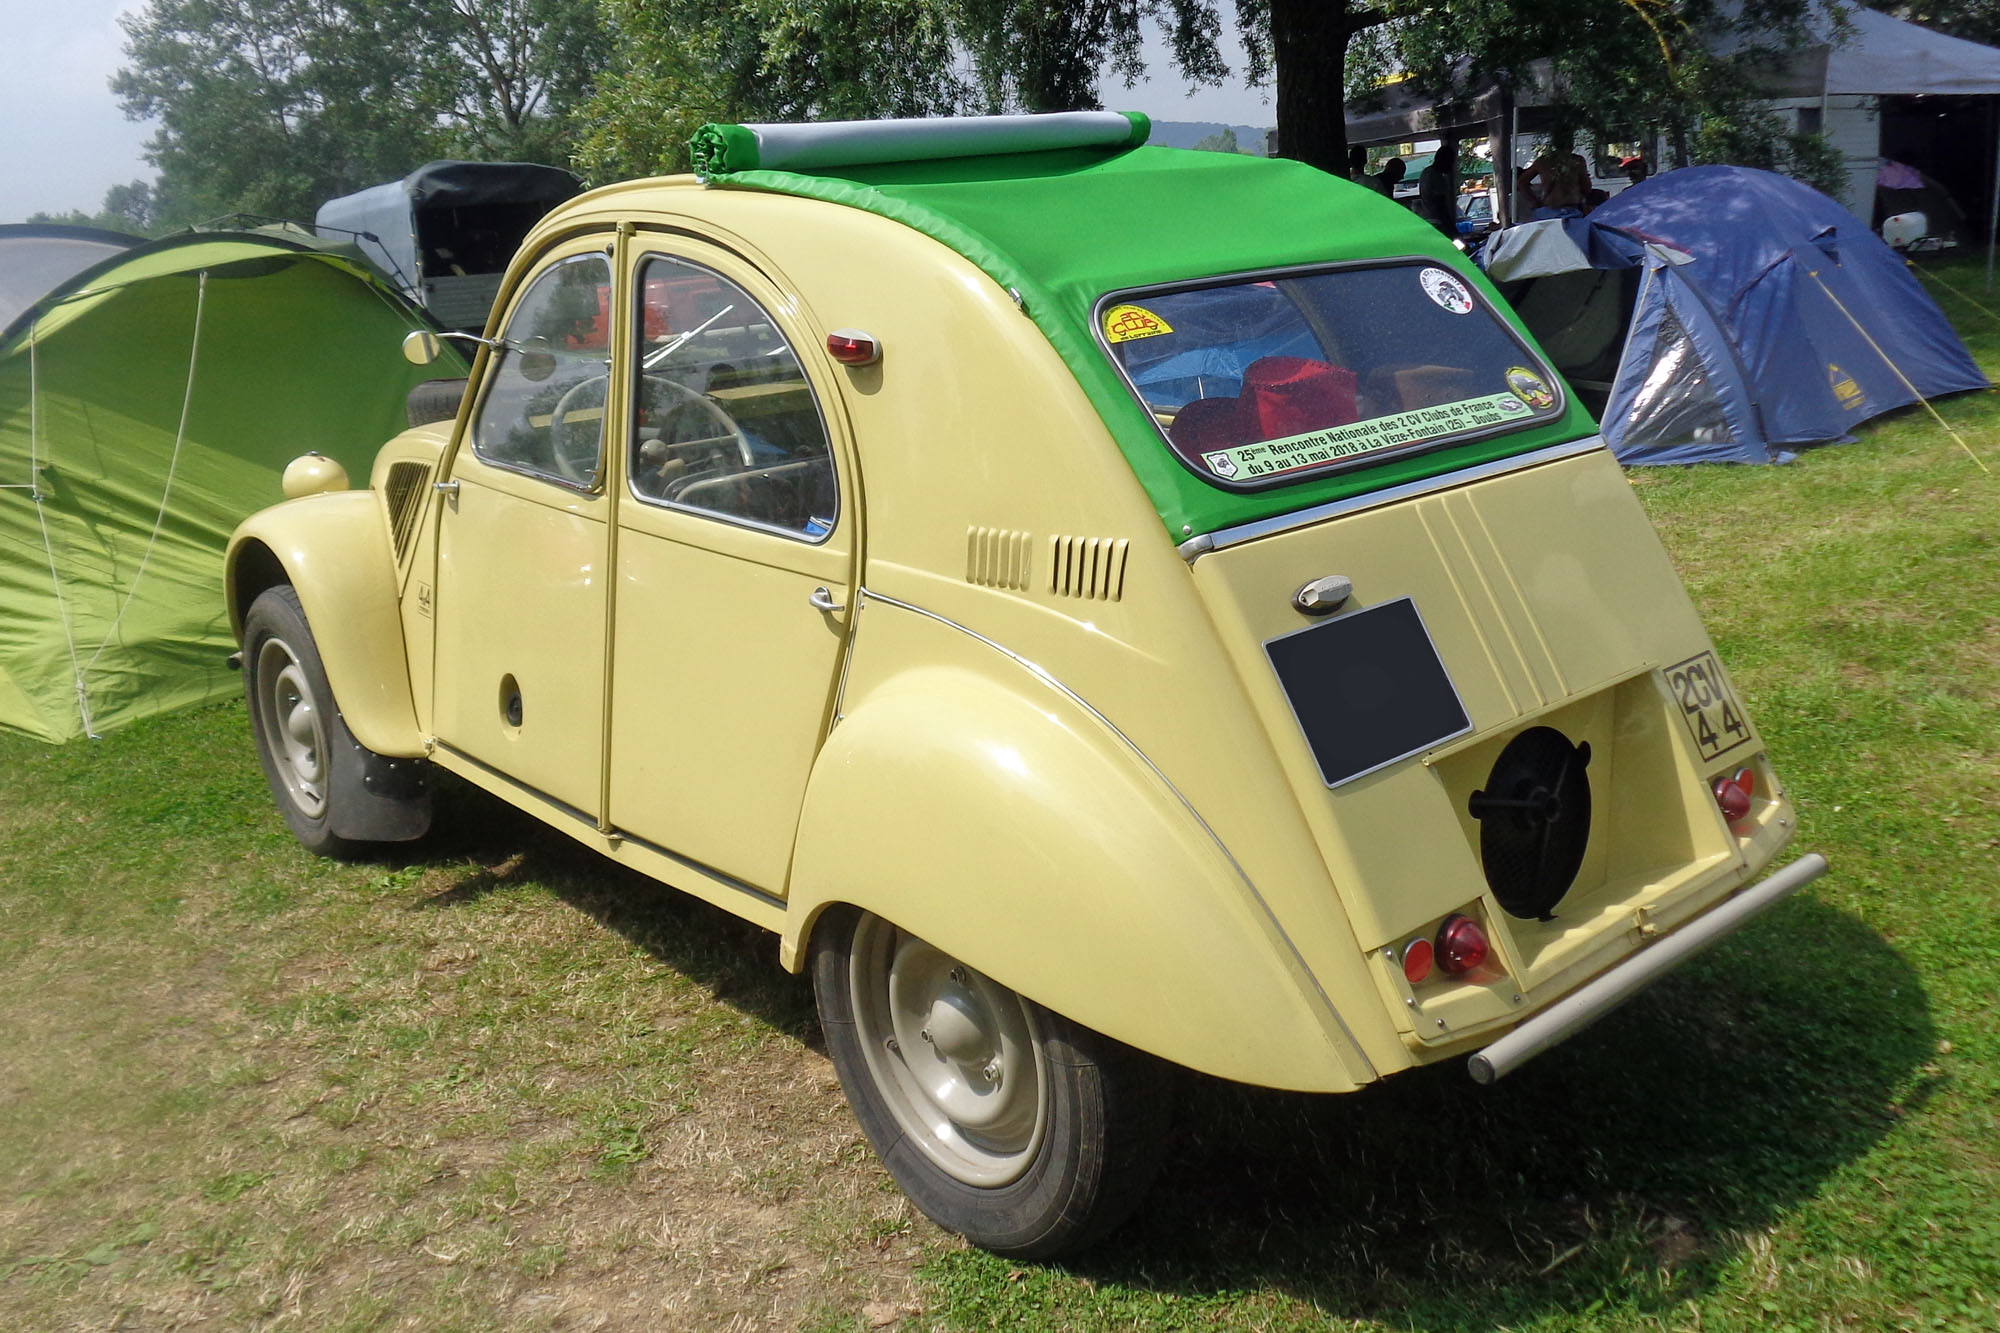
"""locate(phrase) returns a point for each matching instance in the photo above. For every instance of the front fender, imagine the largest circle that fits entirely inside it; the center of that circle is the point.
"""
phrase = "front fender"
(1018, 833)
(334, 549)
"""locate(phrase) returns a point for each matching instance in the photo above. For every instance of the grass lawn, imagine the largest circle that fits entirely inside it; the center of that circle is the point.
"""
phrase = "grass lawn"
(498, 1084)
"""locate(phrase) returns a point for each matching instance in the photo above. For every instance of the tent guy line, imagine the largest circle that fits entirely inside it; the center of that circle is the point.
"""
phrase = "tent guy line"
(1889, 361)
(166, 491)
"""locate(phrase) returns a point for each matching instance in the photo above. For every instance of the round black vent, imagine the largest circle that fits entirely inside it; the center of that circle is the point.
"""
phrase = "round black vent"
(1534, 819)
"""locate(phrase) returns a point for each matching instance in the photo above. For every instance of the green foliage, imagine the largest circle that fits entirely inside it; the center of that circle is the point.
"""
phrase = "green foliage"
(127, 208)
(1222, 141)
(1690, 71)
(1974, 20)
(275, 106)
(681, 63)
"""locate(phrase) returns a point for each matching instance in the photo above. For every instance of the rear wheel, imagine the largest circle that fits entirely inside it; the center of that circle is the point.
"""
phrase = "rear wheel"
(1022, 1131)
(336, 795)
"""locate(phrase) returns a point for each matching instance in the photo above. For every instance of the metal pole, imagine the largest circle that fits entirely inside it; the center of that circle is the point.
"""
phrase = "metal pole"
(1993, 214)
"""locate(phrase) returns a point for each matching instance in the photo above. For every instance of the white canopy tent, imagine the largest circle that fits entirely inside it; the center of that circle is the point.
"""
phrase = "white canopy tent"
(1836, 85)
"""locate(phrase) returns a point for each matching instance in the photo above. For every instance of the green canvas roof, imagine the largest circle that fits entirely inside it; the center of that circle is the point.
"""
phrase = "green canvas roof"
(1065, 226)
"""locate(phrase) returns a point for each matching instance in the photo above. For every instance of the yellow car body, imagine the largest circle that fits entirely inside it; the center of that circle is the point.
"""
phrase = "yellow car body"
(989, 697)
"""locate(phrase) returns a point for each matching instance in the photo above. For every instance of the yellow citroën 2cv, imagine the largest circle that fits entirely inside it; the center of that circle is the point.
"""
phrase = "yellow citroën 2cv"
(1099, 605)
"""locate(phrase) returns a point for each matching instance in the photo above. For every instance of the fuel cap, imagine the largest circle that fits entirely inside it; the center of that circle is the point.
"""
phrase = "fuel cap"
(1323, 596)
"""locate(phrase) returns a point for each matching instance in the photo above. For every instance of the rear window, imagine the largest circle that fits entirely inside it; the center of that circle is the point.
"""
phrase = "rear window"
(1268, 379)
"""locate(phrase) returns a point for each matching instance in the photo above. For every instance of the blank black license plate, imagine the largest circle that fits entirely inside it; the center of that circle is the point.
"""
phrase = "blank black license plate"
(1368, 688)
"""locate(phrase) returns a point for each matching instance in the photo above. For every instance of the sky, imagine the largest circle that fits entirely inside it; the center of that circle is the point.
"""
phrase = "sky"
(66, 142)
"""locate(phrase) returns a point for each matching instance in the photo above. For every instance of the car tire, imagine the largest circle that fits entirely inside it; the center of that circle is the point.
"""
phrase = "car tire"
(1022, 1131)
(338, 797)
(434, 400)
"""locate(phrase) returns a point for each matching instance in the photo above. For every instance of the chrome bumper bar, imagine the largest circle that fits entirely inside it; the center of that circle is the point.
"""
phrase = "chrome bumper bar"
(1579, 1009)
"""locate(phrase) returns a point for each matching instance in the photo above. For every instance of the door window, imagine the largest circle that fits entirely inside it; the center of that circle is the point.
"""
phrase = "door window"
(543, 410)
(724, 420)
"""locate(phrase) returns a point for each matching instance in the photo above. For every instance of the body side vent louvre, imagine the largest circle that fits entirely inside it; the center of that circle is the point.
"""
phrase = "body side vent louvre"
(1091, 567)
(403, 492)
(997, 558)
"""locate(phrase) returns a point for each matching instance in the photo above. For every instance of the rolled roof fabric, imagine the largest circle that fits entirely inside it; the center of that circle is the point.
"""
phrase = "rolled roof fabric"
(719, 150)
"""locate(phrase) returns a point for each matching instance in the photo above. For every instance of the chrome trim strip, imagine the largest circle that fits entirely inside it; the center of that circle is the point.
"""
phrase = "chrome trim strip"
(865, 594)
(1586, 1005)
(706, 871)
(590, 822)
(1266, 527)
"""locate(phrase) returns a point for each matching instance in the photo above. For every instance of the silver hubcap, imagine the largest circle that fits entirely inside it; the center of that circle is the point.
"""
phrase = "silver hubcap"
(954, 1054)
(292, 724)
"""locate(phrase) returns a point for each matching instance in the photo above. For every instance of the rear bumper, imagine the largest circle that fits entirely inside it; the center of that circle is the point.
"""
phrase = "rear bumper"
(1586, 1005)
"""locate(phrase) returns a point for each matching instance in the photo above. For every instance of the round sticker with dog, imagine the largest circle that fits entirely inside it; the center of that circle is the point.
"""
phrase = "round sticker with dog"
(1446, 290)
(1530, 388)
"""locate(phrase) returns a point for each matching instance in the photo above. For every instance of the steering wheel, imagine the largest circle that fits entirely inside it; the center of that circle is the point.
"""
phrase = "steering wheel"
(688, 424)
(576, 430)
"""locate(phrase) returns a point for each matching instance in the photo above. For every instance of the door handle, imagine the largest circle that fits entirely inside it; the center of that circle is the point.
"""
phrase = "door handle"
(822, 600)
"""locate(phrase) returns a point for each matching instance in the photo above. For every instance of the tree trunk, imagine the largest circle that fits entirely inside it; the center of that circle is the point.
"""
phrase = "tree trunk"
(1309, 57)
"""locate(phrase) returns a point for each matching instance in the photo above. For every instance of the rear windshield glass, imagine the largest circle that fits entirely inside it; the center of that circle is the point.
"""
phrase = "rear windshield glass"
(1266, 380)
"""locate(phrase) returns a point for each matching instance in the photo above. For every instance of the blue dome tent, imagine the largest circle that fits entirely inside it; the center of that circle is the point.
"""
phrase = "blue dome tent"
(1724, 314)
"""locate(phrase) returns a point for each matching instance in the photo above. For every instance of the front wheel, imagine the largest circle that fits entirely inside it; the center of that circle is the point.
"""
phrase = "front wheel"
(336, 794)
(1020, 1130)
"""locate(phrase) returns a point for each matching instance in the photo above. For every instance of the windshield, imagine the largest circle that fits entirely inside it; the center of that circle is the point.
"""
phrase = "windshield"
(1267, 380)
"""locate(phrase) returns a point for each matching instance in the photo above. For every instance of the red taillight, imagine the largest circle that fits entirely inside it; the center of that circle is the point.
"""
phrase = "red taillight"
(1461, 945)
(1417, 955)
(852, 347)
(1732, 794)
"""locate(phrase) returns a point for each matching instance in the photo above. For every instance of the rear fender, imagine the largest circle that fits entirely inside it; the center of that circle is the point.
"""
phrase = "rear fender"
(334, 549)
(1014, 830)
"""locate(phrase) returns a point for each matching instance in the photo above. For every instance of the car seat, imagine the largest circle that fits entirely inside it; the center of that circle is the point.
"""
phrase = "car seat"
(1291, 395)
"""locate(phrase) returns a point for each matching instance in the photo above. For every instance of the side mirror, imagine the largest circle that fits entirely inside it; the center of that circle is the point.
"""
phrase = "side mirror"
(538, 360)
(421, 347)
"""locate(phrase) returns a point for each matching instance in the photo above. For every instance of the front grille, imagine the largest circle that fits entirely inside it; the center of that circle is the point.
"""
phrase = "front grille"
(403, 491)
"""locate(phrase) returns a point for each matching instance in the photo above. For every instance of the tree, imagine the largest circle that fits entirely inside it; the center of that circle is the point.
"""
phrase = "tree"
(1685, 69)
(1617, 63)
(680, 63)
(1222, 141)
(1974, 20)
(273, 106)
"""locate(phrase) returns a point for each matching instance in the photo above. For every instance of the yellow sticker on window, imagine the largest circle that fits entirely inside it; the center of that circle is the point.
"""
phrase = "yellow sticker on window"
(1123, 323)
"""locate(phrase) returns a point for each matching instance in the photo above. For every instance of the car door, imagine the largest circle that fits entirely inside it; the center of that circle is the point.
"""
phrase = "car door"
(521, 597)
(735, 547)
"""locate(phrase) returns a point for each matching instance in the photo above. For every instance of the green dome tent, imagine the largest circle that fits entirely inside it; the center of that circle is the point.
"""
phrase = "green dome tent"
(147, 405)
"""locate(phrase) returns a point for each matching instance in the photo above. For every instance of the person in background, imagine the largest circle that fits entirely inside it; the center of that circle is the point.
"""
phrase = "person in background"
(1437, 188)
(1385, 182)
(1357, 165)
(1559, 178)
(1635, 168)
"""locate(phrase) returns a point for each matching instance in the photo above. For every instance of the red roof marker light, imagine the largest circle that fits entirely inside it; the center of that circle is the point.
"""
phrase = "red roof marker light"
(852, 347)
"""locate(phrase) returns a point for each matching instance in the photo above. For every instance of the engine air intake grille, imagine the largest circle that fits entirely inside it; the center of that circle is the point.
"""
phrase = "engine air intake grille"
(1090, 567)
(1534, 821)
(997, 558)
(404, 494)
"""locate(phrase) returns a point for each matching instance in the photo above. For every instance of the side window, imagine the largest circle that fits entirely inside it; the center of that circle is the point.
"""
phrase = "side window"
(543, 411)
(724, 420)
